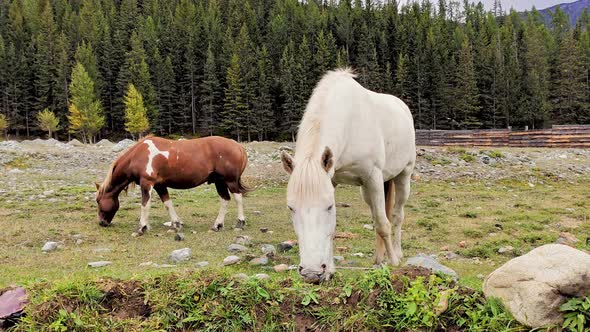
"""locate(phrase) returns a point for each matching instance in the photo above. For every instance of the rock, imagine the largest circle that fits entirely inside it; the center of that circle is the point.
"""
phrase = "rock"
(445, 248)
(342, 249)
(231, 260)
(99, 264)
(368, 226)
(79, 241)
(244, 240)
(179, 237)
(122, 145)
(234, 247)
(567, 239)
(202, 264)
(102, 250)
(450, 255)
(262, 276)
(105, 143)
(338, 258)
(268, 249)
(345, 235)
(280, 268)
(286, 148)
(12, 303)
(240, 276)
(485, 159)
(506, 249)
(75, 142)
(263, 229)
(256, 213)
(293, 267)
(535, 285)
(343, 205)
(443, 303)
(425, 261)
(358, 254)
(48, 192)
(263, 260)
(462, 244)
(181, 255)
(287, 245)
(150, 263)
(49, 246)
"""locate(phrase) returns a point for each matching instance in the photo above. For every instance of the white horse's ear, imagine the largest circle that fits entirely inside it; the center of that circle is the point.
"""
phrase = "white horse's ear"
(97, 185)
(288, 163)
(327, 159)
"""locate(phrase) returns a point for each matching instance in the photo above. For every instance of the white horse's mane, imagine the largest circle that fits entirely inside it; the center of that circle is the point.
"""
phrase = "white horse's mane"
(307, 174)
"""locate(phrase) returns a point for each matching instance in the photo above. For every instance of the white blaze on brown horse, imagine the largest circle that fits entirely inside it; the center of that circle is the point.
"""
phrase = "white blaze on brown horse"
(158, 163)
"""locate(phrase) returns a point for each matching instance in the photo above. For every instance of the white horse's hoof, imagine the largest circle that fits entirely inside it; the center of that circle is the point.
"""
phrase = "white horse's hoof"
(168, 224)
(217, 227)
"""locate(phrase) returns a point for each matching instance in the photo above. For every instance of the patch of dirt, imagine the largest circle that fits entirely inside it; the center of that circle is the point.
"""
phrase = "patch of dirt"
(124, 299)
(304, 322)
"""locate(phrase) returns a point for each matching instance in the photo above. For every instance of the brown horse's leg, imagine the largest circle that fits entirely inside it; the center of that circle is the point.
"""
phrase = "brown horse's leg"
(146, 196)
(165, 197)
(236, 188)
(224, 195)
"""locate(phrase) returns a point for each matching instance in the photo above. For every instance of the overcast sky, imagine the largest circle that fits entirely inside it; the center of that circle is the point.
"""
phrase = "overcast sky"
(519, 5)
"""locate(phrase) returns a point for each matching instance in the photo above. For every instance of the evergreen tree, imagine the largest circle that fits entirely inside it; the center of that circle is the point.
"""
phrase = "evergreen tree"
(234, 104)
(85, 115)
(48, 122)
(466, 93)
(263, 102)
(210, 93)
(3, 124)
(136, 121)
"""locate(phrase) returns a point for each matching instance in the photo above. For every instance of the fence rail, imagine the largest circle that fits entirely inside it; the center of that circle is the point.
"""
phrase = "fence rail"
(564, 136)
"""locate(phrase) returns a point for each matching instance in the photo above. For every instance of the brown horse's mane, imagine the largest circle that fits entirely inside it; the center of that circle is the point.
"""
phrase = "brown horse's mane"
(107, 180)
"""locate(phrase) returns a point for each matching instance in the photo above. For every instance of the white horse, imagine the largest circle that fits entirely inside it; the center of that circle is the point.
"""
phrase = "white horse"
(355, 136)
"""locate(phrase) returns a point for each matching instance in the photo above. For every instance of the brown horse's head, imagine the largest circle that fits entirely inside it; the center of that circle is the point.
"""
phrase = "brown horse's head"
(108, 204)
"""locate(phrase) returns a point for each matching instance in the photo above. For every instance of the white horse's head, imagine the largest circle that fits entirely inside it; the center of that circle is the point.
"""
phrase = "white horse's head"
(310, 198)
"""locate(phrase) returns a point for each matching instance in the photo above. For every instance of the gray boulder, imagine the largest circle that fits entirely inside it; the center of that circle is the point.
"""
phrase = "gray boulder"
(122, 145)
(535, 285)
(231, 260)
(268, 249)
(429, 262)
(181, 255)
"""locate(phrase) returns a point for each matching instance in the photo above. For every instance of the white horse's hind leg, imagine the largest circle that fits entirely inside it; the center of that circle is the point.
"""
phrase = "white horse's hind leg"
(218, 224)
(402, 193)
(146, 198)
(379, 244)
(241, 217)
(165, 197)
(375, 195)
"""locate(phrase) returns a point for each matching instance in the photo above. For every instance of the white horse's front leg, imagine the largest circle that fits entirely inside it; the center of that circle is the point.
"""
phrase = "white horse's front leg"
(218, 224)
(375, 196)
(241, 218)
(146, 197)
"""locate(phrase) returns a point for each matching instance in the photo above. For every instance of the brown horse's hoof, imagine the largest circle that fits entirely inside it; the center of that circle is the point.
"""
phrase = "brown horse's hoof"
(241, 224)
(104, 223)
(140, 231)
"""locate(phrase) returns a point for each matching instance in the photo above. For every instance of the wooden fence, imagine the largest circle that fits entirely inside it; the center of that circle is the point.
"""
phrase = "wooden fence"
(567, 136)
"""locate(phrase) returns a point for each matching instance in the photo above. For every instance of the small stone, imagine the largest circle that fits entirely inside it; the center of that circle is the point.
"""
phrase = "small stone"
(450, 255)
(171, 231)
(286, 246)
(48, 192)
(79, 241)
(179, 237)
(358, 254)
(339, 258)
(181, 255)
(531, 185)
(268, 249)
(462, 244)
(506, 249)
(262, 276)
(256, 213)
(49, 246)
(146, 264)
(280, 268)
(202, 264)
(194, 232)
(567, 239)
(244, 240)
(263, 229)
(230, 260)
(293, 267)
(234, 247)
(238, 229)
(445, 248)
(343, 205)
(99, 264)
(368, 226)
(432, 264)
(102, 250)
(342, 249)
(263, 260)
(240, 276)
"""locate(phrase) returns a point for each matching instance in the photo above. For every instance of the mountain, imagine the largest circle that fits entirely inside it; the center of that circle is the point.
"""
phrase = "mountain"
(572, 9)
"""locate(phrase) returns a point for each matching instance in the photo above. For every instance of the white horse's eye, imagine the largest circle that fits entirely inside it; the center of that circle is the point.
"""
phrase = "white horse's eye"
(330, 207)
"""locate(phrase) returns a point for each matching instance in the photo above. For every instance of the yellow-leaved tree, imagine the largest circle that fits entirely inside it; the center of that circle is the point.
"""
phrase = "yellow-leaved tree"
(86, 115)
(3, 124)
(48, 122)
(136, 120)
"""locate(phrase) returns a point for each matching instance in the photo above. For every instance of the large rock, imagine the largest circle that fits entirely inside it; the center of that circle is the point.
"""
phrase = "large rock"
(429, 262)
(535, 285)
(122, 145)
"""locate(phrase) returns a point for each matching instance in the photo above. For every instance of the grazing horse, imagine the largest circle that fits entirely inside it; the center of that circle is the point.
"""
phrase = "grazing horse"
(354, 136)
(158, 163)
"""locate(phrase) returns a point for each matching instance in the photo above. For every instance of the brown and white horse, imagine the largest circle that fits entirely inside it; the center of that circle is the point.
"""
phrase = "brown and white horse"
(158, 163)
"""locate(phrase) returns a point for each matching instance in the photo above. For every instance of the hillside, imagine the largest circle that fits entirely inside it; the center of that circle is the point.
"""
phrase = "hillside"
(573, 9)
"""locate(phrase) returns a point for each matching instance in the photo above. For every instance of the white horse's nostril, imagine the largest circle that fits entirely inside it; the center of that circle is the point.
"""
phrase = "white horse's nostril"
(324, 266)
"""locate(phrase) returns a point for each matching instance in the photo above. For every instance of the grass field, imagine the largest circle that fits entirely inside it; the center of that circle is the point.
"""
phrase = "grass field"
(438, 215)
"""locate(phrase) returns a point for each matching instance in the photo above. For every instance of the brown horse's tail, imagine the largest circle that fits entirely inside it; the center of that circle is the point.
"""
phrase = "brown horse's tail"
(243, 188)
(389, 198)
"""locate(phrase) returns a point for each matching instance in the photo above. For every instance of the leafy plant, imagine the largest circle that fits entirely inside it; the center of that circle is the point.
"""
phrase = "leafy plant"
(576, 314)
